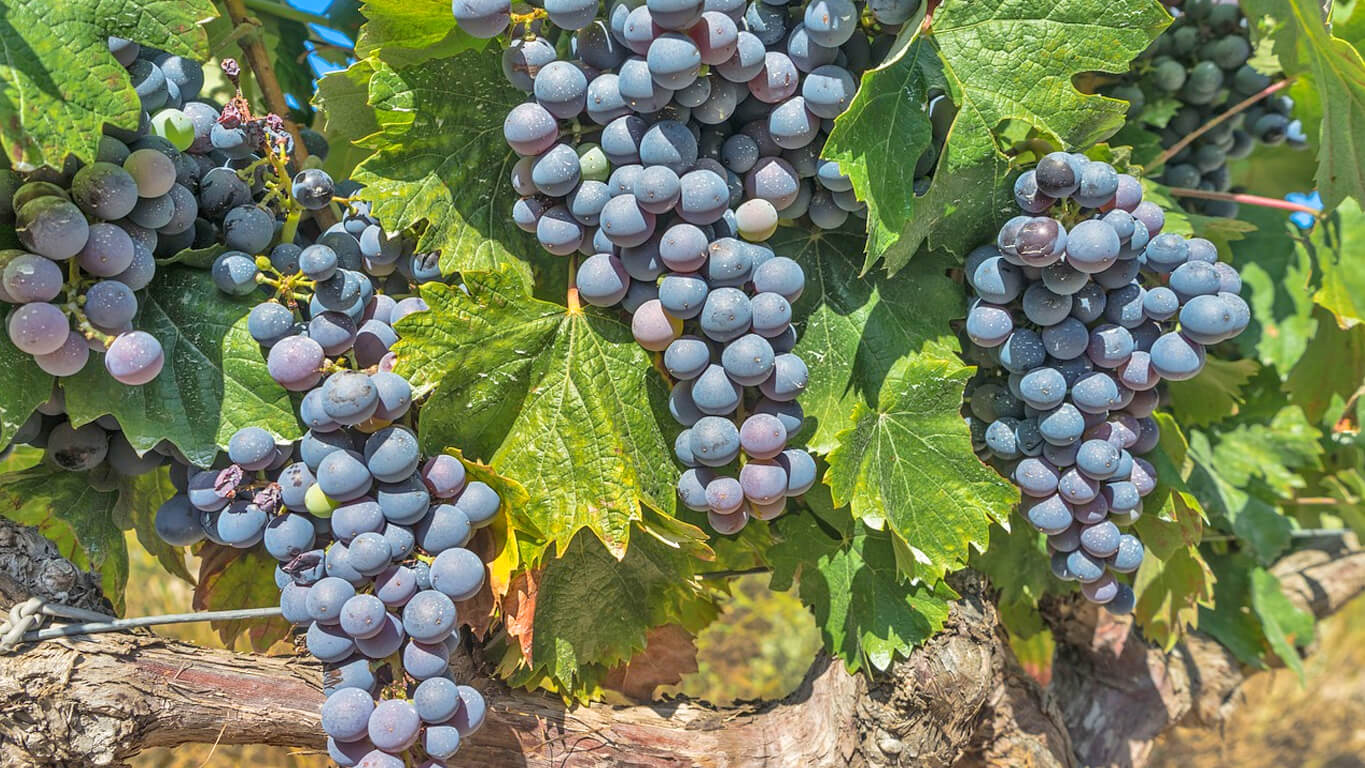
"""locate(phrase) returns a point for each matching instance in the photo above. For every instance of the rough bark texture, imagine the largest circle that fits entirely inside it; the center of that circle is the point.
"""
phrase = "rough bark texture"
(961, 700)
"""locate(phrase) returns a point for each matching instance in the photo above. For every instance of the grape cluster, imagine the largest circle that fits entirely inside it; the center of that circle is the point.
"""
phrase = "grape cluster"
(371, 544)
(1201, 62)
(705, 114)
(1079, 311)
(98, 448)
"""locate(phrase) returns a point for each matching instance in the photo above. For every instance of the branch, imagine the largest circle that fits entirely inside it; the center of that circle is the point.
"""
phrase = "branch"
(258, 59)
(960, 700)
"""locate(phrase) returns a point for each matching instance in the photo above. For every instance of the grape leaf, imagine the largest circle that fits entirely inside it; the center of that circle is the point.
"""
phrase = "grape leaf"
(67, 509)
(1286, 626)
(23, 387)
(1213, 395)
(59, 84)
(867, 611)
(853, 329)
(909, 462)
(139, 498)
(1307, 49)
(1173, 580)
(1276, 276)
(342, 98)
(214, 381)
(446, 162)
(406, 32)
(561, 400)
(1230, 620)
(1337, 243)
(973, 49)
(1332, 365)
(230, 579)
(591, 607)
(1016, 562)
(1170, 593)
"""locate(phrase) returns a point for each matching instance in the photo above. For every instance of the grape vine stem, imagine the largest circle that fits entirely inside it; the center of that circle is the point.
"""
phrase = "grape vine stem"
(1236, 109)
(959, 699)
(258, 58)
(1240, 197)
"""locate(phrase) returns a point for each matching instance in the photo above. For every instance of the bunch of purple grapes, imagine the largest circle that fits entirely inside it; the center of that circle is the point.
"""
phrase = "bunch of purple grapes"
(707, 113)
(1079, 311)
(712, 118)
(371, 540)
(1202, 63)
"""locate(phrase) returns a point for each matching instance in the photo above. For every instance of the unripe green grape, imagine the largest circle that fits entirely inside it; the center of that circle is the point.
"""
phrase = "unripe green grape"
(174, 126)
(317, 502)
(592, 163)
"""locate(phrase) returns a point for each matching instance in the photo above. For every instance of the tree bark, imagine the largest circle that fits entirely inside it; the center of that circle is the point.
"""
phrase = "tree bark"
(960, 700)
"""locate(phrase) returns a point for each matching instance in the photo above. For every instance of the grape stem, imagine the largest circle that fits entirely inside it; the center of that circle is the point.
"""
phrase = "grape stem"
(733, 573)
(1237, 108)
(1239, 197)
(282, 11)
(253, 50)
(575, 306)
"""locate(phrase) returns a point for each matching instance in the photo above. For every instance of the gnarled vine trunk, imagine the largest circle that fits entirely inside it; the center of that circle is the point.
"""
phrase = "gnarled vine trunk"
(960, 700)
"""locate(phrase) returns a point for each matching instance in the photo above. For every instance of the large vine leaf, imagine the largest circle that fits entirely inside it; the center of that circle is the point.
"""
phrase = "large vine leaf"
(442, 160)
(214, 381)
(79, 519)
(562, 400)
(1307, 49)
(58, 83)
(868, 612)
(23, 387)
(908, 464)
(591, 607)
(406, 32)
(854, 329)
(986, 56)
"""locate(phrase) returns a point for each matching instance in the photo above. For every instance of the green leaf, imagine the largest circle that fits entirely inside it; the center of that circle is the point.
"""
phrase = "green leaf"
(406, 32)
(1286, 626)
(1017, 564)
(1173, 581)
(1170, 594)
(1307, 49)
(1332, 365)
(593, 607)
(562, 401)
(1276, 277)
(973, 53)
(854, 329)
(1270, 451)
(231, 579)
(343, 99)
(867, 612)
(1213, 395)
(59, 84)
(1338, 242)
(1230, 620)
(75, 516)
(909, 462)
(443, 161)
(214, 381)
(23, 387)
(138, 500)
